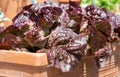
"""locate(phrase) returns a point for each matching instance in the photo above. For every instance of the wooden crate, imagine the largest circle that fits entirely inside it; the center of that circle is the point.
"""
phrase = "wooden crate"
(20, 64)
(25, 64)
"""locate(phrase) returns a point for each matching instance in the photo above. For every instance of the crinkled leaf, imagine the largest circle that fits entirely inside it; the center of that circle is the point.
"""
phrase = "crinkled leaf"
(104, 27)
(11, 41)
(96, 39)
(66, 46)
(60, 36)
(75, 15)
(102, 55)
(95, 13)
(61, 59)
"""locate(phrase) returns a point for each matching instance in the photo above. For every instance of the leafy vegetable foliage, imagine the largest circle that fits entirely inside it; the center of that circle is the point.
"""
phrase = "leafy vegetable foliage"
(62, 32)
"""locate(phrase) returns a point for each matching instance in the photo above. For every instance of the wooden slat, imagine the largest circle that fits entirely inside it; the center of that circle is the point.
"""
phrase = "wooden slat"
(26, 58)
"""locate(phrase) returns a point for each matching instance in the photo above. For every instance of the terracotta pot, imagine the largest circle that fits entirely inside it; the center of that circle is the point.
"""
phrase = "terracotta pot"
(25, 64)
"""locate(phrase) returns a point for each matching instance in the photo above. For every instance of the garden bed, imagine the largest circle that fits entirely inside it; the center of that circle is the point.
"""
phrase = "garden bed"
(25, 64)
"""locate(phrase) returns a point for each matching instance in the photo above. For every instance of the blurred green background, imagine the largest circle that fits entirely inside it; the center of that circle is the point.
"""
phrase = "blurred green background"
(111, 5)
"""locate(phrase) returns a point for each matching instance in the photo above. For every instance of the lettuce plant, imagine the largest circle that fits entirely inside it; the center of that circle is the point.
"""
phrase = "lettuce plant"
(63, 32)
